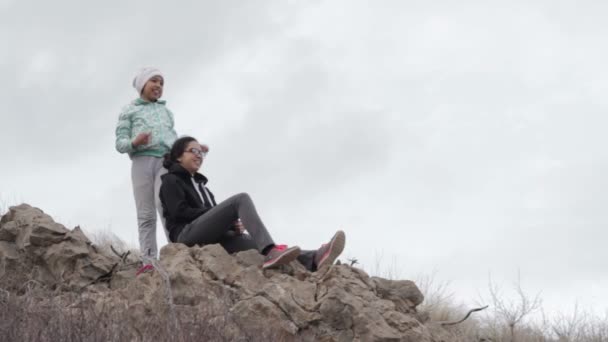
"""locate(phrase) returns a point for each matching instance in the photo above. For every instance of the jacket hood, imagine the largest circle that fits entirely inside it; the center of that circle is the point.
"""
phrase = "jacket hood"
(180, 171)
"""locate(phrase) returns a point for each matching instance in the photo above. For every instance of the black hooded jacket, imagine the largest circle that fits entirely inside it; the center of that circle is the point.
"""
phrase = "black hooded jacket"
(181, 202)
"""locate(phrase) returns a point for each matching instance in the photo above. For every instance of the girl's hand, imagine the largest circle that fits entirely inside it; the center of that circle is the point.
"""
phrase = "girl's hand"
(204, 148)
(141, 139)
(238, 226)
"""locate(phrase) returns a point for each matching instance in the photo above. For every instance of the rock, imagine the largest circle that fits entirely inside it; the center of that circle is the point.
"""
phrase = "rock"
(9, 232)
(47, 233)
(9, 256)
(259, 311)
(295, 298)
(404, 293)
(77, 234)
(26, 225)
(51, 254)
(203, 287)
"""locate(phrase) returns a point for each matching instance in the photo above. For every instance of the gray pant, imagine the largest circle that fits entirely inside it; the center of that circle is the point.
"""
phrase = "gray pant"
(215, 226)
(145, 176)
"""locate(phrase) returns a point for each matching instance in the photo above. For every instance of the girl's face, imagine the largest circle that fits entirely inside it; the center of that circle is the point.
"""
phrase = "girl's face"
(153, 89)
(192, 158)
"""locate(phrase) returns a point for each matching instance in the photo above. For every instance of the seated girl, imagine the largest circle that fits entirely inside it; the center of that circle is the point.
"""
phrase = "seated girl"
(193, 217)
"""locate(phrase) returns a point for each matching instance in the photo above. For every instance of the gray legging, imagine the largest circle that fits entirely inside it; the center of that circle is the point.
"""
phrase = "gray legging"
(145, 176)
(215, 226)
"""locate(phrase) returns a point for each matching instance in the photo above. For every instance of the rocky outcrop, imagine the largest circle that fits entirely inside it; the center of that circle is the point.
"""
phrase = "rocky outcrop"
(337, 303)
(33, 247)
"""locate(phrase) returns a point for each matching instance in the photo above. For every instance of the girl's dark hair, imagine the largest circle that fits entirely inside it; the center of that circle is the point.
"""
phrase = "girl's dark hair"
(178, 148)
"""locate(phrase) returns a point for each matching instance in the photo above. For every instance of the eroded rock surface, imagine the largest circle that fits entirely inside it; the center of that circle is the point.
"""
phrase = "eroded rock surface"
(338, 303)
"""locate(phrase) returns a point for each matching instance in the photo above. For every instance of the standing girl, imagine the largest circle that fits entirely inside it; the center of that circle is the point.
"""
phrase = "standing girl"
(145, 131)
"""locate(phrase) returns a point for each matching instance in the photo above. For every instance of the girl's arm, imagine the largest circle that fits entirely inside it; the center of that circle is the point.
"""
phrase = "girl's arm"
(173, 196)
(123, 134)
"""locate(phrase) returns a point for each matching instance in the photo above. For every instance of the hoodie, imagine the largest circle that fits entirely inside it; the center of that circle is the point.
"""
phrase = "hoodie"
(182, 202)
(141, 116)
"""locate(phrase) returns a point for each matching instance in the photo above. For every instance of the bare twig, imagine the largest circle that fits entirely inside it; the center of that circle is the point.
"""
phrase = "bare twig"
(513, 312)
(465, 317)
(115, 252)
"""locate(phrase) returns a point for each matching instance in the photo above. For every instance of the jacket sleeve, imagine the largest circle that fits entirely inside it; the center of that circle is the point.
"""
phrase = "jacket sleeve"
(172, 127)
(171, 119)
(174, 199)
(123, 133)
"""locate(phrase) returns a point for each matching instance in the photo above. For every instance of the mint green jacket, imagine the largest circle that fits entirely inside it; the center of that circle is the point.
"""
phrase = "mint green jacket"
(141, 116)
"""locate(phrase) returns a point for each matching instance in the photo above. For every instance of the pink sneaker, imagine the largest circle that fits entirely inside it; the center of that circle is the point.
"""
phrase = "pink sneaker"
(280, 255)
(329, 252)
(145, 269)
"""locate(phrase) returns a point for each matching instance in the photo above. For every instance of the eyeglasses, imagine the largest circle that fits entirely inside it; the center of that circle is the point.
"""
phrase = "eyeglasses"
(197, 152)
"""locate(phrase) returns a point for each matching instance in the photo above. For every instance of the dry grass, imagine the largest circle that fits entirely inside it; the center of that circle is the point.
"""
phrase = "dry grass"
(493, 324)
(6, 201)
(105, 240)
(42, 315)
(508, 317)
(3, 207)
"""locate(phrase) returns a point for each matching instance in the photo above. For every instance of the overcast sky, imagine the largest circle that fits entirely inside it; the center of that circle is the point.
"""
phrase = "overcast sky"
(462, 139)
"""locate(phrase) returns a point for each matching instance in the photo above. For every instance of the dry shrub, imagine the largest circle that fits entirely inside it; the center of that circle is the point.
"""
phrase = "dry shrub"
(42, 315)
(507, 319)
(105, 240)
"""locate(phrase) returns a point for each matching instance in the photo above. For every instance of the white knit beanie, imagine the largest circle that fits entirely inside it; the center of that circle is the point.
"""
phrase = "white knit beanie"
(144, 76)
